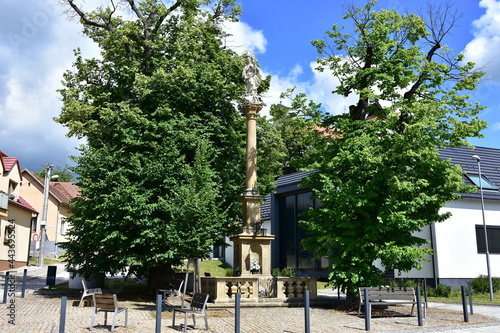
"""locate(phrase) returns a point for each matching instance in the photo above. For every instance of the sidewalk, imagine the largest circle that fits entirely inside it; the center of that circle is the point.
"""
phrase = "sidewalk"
(38, 313)
(36, 278)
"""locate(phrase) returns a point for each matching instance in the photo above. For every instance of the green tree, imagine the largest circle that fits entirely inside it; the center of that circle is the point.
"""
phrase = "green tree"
(298, 126)
(381, 180)
(163, 166)
(64, 173)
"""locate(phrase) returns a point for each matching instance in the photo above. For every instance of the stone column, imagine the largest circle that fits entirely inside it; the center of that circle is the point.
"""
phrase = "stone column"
(250, 245)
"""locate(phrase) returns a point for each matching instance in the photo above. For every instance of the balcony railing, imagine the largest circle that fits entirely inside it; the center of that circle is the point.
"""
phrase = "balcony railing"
(4, 201)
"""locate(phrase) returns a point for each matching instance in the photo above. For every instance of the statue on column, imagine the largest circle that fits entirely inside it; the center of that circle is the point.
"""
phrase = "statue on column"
(252, 78)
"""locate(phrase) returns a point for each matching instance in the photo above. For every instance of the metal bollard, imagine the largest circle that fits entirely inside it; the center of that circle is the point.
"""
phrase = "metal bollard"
(62, 320)
(425, 294)
(159, 302)
(368, 311)
(464, 305)
(307, 313)
(469, 289)
(419, 308)
(23, 290)
(6, 288)
(237, 313)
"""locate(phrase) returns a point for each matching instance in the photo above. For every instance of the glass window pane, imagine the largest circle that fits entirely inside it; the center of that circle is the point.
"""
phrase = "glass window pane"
(485, 183)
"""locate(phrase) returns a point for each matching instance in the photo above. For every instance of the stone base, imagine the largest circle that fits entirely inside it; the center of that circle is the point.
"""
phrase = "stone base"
(248, 247)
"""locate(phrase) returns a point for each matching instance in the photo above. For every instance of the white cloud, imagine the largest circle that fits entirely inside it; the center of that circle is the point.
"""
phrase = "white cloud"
(244, 37)
(318, 89)
(33, 56)
(485, 47)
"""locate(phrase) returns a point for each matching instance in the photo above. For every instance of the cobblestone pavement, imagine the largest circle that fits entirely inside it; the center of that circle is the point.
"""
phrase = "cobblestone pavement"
(41, 313)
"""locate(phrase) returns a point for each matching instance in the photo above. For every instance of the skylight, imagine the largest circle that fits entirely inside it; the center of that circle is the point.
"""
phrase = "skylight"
(485, 183)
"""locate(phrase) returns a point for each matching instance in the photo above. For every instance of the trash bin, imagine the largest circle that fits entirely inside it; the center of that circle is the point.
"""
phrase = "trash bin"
(51, 276)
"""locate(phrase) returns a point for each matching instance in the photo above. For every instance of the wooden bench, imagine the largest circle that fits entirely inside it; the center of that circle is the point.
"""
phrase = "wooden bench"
(384, 296)
(107, 303)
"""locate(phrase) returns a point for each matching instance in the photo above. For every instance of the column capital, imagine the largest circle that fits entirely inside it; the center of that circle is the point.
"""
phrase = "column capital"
(251, 110)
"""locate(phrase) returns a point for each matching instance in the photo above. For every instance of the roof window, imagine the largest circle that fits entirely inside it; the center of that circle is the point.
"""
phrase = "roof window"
(486, 184)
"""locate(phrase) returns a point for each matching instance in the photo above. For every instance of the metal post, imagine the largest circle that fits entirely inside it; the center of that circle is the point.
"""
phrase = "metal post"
(478, 160)
(43, 224)
(469, 289)
(6, 288)
(368, 311)
(237, 313)
(62, 321)
(419, 308)
(464, 305)
(307, 314)
(23, 290)
(159, 302)
(425, 294)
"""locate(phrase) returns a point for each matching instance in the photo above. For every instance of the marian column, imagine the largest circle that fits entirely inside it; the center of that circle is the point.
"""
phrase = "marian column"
(252, 245)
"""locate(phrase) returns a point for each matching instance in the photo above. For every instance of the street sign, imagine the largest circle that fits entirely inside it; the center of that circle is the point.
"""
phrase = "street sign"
(35, 237)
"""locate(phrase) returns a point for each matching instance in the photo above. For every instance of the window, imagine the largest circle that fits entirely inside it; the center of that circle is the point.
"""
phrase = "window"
(291, 253)
(63, 227)
(12, 186)
(493, 239)
(485, 182)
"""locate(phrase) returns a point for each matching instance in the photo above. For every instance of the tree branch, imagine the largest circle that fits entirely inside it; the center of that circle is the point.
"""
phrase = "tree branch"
(86, 20)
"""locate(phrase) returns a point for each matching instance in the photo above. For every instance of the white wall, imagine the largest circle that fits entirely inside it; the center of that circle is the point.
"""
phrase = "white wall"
(456, 240)
(427, 270)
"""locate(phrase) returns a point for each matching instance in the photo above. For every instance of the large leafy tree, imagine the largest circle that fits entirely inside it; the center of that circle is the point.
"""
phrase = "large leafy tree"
(163, 165)
(379, 175)
(298, 126)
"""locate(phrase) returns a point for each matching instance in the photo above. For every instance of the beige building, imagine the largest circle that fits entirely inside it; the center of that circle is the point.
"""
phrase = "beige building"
(16, 216)
(60, 194)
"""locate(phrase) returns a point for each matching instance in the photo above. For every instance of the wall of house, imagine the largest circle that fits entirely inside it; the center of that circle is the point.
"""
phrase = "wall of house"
(22, 234)
(456, 244)
(32, 192)
(427, 271)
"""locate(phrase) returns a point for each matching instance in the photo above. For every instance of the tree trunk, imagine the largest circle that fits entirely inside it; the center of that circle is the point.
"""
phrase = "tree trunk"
(160, 277)
(352, 300)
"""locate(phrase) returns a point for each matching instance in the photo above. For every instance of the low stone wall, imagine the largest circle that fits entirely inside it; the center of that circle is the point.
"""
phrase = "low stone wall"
(251, 288)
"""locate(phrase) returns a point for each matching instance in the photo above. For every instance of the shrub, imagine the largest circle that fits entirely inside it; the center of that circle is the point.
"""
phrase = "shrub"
(441, 290)
(403, 283)
(287, 271)
(481, 284)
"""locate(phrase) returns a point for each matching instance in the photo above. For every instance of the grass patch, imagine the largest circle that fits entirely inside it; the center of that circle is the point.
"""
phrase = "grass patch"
(323, 285)
(46, 261)
(214, 267)
(476, 298)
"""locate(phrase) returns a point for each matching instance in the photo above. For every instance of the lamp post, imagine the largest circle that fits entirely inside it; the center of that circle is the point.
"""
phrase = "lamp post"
(478, 160)
(48, 170)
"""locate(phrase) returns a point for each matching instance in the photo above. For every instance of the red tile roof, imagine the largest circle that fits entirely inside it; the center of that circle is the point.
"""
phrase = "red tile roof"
(65, 190)
(23, 204)
(62, 191)
(9, 162)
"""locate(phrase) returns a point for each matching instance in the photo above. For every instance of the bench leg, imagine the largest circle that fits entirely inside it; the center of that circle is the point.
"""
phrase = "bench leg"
(206, 321)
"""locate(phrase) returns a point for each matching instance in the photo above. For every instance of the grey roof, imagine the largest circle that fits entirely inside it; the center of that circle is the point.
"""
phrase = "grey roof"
(490, 167)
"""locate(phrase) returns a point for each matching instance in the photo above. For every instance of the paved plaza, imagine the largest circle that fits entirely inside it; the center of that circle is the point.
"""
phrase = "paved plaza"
(37, 313)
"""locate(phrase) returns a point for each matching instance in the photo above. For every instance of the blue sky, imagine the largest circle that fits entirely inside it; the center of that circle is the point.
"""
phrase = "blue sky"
(37, 42)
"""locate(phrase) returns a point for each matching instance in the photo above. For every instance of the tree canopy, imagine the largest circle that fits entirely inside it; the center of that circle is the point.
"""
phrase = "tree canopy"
(163, 166)
(378, 171)
(64, 173)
